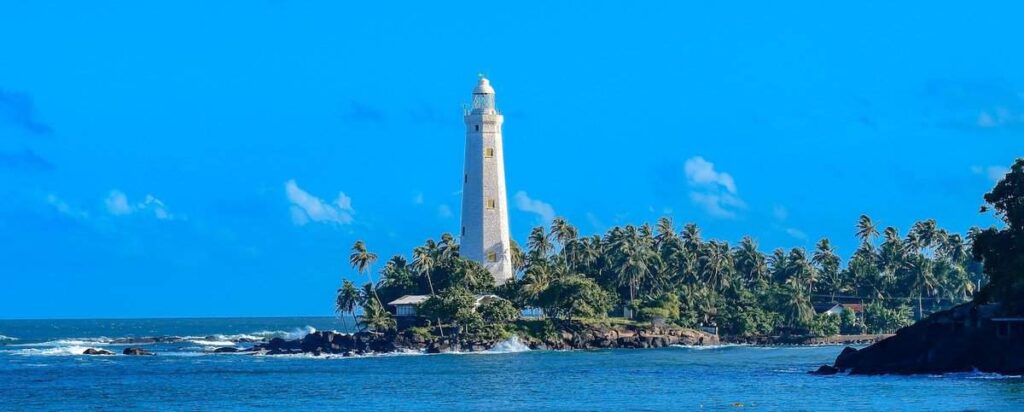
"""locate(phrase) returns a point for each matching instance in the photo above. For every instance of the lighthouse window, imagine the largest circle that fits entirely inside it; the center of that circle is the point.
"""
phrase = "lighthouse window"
(465, 178)
(491, 204)
(463, 231)
(476, 127)
(492, 257)
(489, 152)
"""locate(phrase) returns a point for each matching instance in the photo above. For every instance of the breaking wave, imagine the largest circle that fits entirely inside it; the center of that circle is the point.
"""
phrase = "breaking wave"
(5, 339)
(510, 345)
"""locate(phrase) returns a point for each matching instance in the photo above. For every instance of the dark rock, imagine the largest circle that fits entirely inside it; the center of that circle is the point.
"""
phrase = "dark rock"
(136, 352)
(92, 351)
(965, 338)
(226, 349)
(846, 358)
(826, 370)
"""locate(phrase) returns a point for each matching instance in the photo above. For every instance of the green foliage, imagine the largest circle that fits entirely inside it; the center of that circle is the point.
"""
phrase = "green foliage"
(452, 305)
(747, 316)
(575, 296)
(498, 311)
(824, 325)
(881, 319)
(1002, 250)
(422, 332)
(665, 307)
(375, 317)
(849, 324)
(535, 328)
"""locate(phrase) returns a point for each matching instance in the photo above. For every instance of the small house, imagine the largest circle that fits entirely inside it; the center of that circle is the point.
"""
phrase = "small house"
(405, 306)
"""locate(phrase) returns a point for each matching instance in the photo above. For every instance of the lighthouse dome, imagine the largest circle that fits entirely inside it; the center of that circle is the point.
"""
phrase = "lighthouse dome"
(483, 87)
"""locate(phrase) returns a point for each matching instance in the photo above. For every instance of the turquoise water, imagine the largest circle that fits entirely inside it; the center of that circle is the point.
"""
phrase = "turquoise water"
(40, 370)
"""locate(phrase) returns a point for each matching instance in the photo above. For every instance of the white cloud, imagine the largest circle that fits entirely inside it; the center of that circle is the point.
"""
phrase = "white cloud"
(700, 172)
(444, 211)
(714, 191)
(797, 233)
(717, 205)
(307, 208)
(993, 173)
(117, 204)
(64, 208)
(999, 116)
(543, 210)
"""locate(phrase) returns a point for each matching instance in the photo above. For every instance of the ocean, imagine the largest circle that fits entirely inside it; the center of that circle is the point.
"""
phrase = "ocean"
(41, 369)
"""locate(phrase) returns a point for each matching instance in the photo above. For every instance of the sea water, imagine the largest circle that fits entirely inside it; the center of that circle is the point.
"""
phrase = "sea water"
(41, 368)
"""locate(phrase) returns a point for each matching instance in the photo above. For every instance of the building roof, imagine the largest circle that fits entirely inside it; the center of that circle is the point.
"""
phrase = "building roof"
(483, 87)
(409, 300)
(825, 307)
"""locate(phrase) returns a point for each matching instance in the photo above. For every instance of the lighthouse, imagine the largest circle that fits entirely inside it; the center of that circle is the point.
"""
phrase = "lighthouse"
(484, 236)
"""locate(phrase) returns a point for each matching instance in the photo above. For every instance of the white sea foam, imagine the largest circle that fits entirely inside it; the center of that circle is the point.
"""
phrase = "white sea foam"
(708, 347)
(101, 341)
(7, 339)
(204, 342)
(510, 345)
(976, 374)
(55, 351)
(297, 333)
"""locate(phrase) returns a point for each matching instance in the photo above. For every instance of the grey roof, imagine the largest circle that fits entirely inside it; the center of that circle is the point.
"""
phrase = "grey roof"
(409, 300)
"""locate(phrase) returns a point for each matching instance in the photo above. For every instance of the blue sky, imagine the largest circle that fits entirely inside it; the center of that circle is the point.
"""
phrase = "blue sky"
(218, 159)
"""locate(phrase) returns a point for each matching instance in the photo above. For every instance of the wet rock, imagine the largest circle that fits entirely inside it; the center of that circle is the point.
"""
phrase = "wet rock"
(94, 351)
(826, 370)
(226, 349)
(137, 352)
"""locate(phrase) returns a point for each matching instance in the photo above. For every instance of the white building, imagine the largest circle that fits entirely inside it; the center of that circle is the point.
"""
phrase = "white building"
(484, 235)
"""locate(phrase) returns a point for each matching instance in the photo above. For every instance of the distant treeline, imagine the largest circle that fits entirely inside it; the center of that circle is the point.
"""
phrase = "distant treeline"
(665, 274)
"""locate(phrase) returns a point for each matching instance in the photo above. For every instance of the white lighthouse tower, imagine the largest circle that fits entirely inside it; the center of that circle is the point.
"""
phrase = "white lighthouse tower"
(485, 237)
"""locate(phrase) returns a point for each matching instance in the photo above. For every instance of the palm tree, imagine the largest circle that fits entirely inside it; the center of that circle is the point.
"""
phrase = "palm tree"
(565, 234)
(779, 265)
(423, 262)
(750, 263)
(347, 301)
(666, 231)
(362, 260)
(800, 273)
(827, 263)
(376, 318)
(518, 257)
(538, 244)
(716, 265)
(866, 230)
(922, 280)
(924, 234)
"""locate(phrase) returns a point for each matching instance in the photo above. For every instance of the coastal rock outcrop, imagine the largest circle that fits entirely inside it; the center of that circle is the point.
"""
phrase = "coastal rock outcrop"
(573, 335)
(137, 352)
(94, 351)
(965, 338)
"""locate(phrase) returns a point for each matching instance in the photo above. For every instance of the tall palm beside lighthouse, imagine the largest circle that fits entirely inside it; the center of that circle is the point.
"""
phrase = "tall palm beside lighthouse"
(485, 237)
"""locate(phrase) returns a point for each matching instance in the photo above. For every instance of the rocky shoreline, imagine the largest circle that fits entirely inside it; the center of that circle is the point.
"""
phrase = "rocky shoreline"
(574, 336)
(966, 338)
(570, 336)
(799, 340)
